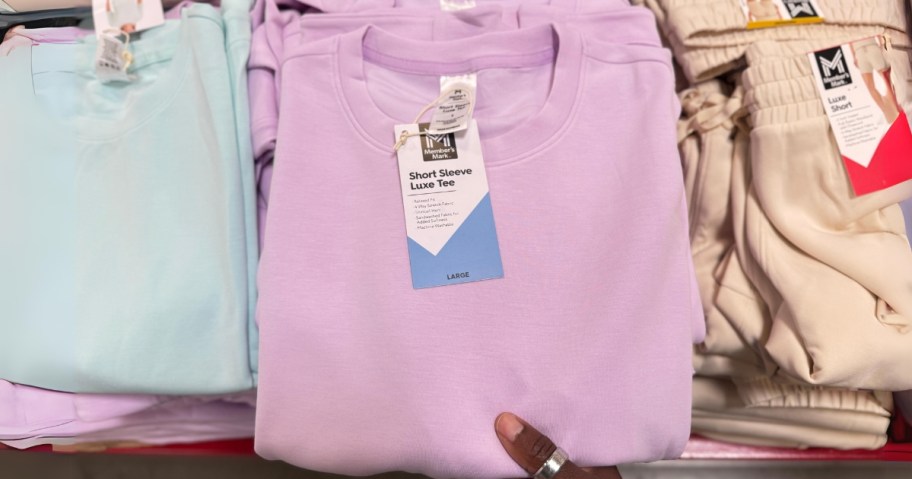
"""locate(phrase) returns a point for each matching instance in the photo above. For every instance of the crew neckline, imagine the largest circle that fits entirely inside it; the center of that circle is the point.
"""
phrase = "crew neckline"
(535, 46)
(168, 43)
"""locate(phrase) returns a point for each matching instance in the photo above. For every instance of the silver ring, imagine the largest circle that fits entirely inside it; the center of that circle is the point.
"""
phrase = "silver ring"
(552, 466)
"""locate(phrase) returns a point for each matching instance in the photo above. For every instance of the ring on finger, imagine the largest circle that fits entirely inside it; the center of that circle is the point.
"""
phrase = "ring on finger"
(552, 465)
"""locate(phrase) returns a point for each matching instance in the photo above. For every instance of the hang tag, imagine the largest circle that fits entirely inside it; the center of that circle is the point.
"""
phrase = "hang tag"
(112, 59)
(448, 215)
(126, 16)
(774, 13)
(856, 87)
(454, 112)
(456, 5)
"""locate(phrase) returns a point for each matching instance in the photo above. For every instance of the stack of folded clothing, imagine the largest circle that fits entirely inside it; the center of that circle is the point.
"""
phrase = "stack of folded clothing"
(588, 334)
(805, 282)
(128, 286)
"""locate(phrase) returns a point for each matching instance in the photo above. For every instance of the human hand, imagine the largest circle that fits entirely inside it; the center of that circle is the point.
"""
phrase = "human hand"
(531, 449)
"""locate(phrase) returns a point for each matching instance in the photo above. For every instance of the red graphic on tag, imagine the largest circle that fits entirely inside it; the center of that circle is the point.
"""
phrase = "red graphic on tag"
(891, 164)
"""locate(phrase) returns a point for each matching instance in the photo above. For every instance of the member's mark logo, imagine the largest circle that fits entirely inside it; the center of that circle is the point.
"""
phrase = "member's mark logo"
(800, 8)
(437, 147)
(834, 70)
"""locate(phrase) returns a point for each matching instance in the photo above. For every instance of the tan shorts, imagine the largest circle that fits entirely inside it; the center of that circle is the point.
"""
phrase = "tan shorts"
(709, 37)
(819, 418)
(762, 10)
(840, 265)
(870, 57)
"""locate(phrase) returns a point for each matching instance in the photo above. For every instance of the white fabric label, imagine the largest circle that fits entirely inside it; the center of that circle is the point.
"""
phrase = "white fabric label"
(456, 5)
(112, 59)
(454, 111)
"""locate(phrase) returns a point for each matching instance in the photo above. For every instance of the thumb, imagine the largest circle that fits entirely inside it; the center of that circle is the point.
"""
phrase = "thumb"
(530, 449)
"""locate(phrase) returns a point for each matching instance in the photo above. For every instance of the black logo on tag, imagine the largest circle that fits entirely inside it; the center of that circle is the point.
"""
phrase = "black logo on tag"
(800, 8)
(437, 147)
(833, 68)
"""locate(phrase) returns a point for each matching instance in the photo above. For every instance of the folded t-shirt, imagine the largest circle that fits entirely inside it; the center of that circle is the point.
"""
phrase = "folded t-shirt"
(132, 268)
(362, 374)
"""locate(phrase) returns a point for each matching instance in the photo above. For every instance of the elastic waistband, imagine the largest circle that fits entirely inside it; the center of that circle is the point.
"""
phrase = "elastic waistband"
(691, 18)
(764, 392)
(780, 85)
(764, 51)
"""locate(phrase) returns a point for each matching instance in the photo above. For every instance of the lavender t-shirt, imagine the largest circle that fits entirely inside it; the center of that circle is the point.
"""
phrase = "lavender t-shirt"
(589, 333)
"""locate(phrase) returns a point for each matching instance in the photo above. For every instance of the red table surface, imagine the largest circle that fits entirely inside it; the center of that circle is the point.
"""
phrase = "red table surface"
(898, 449)
(698, 448)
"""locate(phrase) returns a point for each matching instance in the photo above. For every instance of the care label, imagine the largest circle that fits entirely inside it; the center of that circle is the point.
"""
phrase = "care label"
(112, 59)
(127, 16)
(448, 215)
(870, 126)
(456, 5)
(773, 13)
(454, 111)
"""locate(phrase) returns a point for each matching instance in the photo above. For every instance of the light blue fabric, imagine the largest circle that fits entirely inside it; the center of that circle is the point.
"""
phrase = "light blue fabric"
(128, 214)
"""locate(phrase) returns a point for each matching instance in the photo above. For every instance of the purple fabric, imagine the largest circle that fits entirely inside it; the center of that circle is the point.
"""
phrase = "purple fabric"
(31, 416)
(597, 304)
(273, 26)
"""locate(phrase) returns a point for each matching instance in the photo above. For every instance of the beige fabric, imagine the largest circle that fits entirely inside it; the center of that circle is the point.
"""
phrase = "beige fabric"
(840, 265)
(706, 143)
(741, 279)
(869, 56)
(97, 446)
(761, 10)
(861, 422)
(709, 37)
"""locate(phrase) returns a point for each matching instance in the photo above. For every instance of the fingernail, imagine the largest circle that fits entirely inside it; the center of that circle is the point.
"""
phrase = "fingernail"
(508, 427)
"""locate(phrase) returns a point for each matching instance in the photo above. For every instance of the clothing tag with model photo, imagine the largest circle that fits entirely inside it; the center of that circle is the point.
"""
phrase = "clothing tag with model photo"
(455, 108)
(456, 5)
(856, 87)
(127, 16)
(448, 215)
(112, 58)
(772, 13)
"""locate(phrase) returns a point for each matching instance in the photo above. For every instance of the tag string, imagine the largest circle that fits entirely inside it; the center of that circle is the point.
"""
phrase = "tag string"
(405, 135)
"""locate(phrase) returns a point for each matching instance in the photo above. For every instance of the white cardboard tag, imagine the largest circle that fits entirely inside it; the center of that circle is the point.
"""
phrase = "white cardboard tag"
(448, 215)
(127, 16)
(871, 129)
(773, 13)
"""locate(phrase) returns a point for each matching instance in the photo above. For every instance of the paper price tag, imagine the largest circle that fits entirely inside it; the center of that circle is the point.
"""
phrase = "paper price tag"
(112, 60)
(871, 129)
(126, 16)
(773, 13)
(448, 214)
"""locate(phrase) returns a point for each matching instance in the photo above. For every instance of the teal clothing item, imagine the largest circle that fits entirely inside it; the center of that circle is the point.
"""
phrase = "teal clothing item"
(129, 229)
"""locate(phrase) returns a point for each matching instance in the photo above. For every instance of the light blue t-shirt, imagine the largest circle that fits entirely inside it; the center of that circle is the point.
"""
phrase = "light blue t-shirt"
(128, 238)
